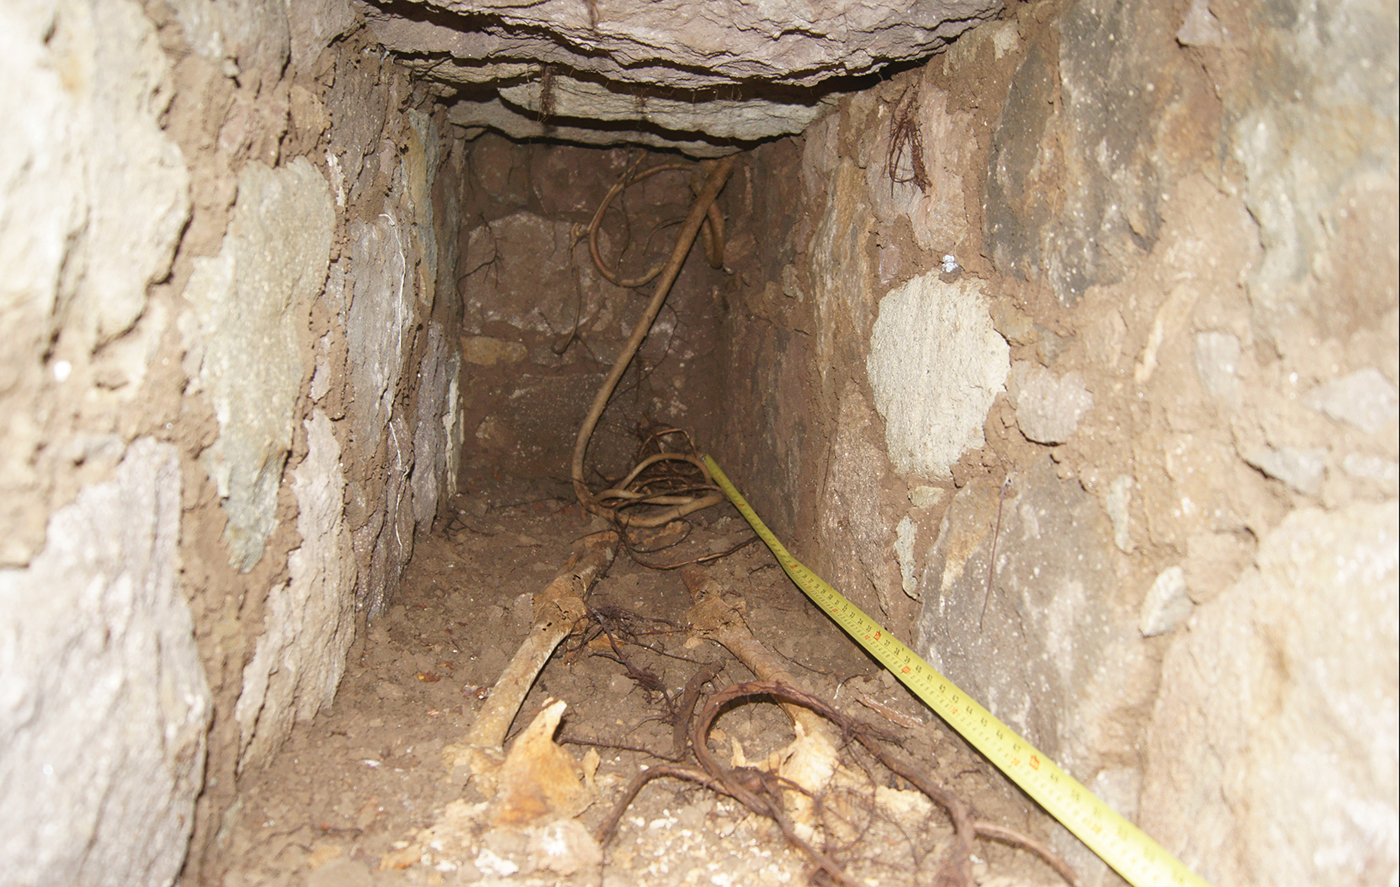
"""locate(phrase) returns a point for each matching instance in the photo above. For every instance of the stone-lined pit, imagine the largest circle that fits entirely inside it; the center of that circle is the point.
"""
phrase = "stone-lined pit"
(300, 329)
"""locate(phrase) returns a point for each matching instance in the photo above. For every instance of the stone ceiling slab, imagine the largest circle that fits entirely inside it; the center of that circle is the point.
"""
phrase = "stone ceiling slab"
(727, 71)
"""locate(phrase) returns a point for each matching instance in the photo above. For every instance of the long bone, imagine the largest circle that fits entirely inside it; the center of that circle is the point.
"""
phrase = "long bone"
(812, 758)
(558, 608)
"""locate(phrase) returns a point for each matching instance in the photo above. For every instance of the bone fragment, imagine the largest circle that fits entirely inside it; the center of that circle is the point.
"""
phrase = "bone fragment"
(811, 760)
(558, 608)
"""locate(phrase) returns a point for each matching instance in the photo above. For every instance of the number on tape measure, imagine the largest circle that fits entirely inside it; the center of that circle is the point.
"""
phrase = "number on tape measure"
(1139, 859)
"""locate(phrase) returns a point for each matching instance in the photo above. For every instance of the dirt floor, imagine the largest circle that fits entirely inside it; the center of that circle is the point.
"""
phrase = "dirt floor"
(361, 796)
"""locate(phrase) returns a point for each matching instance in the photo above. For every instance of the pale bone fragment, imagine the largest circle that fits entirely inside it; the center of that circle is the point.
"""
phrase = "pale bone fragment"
(558, 608)
(538, 778)
(811, 760)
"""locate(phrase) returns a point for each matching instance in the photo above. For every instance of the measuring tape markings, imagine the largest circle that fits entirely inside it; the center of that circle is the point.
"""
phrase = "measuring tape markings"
(1139, 859)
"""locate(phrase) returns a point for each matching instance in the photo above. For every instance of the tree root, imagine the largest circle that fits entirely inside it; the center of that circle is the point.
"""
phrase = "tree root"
(674, 505)
(712, 232)
(957, 869)
(763, 793)
(812, 757)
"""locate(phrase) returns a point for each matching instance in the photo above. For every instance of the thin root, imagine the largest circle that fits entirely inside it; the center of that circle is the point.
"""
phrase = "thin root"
(615, 503)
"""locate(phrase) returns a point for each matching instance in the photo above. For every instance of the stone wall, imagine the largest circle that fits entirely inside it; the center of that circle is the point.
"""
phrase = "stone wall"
(1072, 354)
(1156, 374)
(542, 325)
(228, 387)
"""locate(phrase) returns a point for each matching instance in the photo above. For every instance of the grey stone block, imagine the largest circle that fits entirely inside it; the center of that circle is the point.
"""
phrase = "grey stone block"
(1272, 750)
(103, 700)
(309, 620)
(251, 302)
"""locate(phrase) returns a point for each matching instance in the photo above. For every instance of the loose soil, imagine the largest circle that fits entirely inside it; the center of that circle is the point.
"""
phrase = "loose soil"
(348, 798)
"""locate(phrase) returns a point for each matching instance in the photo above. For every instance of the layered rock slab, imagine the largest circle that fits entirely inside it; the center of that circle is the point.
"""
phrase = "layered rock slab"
(668, 74)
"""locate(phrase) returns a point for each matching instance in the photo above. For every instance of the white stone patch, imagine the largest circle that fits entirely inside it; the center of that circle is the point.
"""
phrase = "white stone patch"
(926, 496)
(564, 847)
(1217, 364)
(1120, 496)
(309, 620)
(904, 535)
(104, 707)
(1365, 399)
(935, 365)
(1373, 468)
(1048, 407)
(1062, 627)
(491, 864)
(1301, 469)
(1167, 604)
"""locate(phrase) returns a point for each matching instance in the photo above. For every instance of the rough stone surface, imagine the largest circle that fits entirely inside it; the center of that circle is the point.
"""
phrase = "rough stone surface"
(1272, 751)
(1050, 647)
(93, 197)
(944, 211)
(1058, 673)
(1192, 208)
(1116, 502)
(1189, 209)
(384, 542)
(422, 154)
(904, 533)
(840, 264)
(1214, 561)
(1309, 178)
(1301, 469)
(309, 620)
(935, 365)
(540, 288)
(377, 325)
(358, 152)
(103, 704)
(1166, 605)
(541, 325)
(313, 24)
(253, 37)
(699, 75)
(1380, 472)
(251, 301)
(433, 449)
(1048, 407)
(720, 119)
(136, 187)
(855, 516)
(1078, 209)
(165, 226)
(1365, 398)
(517, 123)
(683, 46)
(1217, 363)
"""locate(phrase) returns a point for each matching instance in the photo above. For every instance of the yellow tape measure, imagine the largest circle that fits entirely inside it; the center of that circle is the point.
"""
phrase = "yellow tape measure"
(1135, 856)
